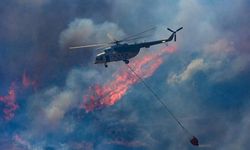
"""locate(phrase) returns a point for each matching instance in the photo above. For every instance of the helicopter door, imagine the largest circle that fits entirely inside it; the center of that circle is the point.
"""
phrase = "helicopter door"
(107, 58)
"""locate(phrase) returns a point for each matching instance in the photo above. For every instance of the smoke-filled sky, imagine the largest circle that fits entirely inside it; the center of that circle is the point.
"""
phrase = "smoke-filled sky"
(203, 77)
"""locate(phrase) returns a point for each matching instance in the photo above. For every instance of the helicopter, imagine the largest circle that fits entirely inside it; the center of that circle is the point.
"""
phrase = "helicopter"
(121, 50)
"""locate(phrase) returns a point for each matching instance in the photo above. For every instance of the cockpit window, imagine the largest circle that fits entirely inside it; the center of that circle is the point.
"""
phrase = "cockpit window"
(99, 58)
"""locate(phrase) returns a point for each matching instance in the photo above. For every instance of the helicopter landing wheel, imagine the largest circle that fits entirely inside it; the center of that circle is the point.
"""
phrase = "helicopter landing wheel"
(126, 61)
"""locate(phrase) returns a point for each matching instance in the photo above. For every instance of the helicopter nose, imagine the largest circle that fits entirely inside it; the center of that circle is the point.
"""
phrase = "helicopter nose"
(96, 61)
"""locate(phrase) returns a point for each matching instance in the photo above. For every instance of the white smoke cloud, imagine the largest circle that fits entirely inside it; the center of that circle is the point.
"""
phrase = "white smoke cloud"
(198, 28)
(224, 59)
(60, 104)
(60, 100)
(219, 60)
(195, 66)
(85, 31)
(216, 47)
(220, 46)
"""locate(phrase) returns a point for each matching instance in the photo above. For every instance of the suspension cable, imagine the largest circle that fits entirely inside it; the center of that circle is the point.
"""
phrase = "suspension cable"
(159, 99)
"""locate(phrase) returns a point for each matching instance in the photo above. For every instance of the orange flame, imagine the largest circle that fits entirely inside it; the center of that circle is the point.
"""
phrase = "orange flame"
(9, 102)
(18, 139)
(27, 82)
(111, 92)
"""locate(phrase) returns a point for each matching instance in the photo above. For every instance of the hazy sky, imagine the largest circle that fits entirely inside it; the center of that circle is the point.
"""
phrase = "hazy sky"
(205, 82)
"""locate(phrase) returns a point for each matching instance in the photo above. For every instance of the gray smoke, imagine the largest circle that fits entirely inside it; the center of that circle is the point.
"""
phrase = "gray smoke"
(84, 32)
(208, 76)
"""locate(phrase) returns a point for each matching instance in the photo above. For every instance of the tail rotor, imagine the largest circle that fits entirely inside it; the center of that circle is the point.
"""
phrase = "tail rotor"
(174, 32)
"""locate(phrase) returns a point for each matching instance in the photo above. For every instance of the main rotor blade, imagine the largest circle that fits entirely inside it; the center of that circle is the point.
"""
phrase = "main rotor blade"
(138, 34)
(87, 46)
(111, 37)
(136, 38)
(103, 47)
(170, 30)
(179, 29)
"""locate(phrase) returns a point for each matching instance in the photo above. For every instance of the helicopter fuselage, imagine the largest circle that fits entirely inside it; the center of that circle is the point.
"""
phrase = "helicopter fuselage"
(124, 52)
(119, 52)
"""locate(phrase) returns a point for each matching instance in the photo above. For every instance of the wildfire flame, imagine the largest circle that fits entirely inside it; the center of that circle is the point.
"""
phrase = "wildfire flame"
(27, 82)
(112, 91)
(18, 139)
(9, 101)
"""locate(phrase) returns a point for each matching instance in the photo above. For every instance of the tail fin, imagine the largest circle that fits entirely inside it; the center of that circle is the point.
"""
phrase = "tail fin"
(174, 32)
